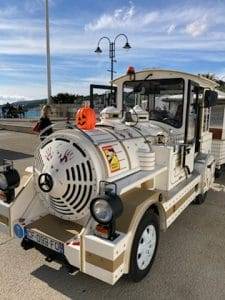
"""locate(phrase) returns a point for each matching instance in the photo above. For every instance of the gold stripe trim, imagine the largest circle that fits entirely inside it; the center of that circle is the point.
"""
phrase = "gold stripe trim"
(104, 263)
(4, 220)
(176, 206)
(148, 184)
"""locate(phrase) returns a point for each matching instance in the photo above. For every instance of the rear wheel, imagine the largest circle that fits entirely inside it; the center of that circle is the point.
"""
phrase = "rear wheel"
(200, 199)
(144, 246)
(218, 173)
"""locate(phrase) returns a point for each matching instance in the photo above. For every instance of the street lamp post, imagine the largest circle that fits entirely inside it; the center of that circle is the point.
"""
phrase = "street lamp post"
(48, 56)
(112, 50)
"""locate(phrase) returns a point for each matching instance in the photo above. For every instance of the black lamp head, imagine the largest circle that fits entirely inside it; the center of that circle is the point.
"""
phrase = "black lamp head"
(98, 50)
(127, 46)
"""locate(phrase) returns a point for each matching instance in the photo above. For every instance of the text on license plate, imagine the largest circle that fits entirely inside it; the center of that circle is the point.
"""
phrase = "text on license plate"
(45, 241)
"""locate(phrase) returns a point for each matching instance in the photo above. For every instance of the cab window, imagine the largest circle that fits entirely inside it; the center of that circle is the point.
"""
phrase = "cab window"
(162, 98)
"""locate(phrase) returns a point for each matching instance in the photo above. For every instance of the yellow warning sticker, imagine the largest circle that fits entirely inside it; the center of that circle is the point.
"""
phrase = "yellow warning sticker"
(112, 158)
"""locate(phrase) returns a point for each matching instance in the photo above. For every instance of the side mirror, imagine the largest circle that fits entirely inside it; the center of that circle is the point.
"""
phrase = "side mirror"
(210, 98)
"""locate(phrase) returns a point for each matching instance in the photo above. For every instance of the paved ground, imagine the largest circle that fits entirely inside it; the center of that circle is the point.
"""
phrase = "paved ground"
(26, 126)
(190, 263)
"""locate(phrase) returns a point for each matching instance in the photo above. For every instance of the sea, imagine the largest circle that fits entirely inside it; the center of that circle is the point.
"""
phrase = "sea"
(33, 114)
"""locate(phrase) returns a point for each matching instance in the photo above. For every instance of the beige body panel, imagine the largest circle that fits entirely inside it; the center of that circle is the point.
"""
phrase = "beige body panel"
(26, 203)
(136, 202)
(54, 227)
(102, 258)
(104, 263)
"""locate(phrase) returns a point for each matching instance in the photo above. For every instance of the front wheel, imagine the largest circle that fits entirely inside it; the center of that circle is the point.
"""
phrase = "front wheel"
(144, 246)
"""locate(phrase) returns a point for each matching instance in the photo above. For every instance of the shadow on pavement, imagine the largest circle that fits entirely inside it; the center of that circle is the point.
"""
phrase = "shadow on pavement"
(79, 286)
(12, 155)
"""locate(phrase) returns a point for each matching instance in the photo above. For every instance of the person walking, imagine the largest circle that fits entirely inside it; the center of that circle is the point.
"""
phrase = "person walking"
(44, 125)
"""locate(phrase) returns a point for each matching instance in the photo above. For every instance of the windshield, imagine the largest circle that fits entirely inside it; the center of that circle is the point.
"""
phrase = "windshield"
(162, 98)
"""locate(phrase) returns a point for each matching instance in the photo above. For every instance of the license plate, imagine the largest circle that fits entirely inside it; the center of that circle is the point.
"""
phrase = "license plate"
(45, 241)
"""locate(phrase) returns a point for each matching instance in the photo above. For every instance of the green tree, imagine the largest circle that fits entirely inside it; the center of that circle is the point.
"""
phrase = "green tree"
(221, 83)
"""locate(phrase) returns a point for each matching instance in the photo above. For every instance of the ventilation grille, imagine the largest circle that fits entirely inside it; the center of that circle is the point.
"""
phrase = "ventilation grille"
(39, 162)
(79, 190)
(78, 176)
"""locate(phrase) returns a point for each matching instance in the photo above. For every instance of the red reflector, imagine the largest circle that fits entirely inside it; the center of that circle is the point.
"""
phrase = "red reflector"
(76, 243)
(102, 228)
(73, 243)
(102, 231)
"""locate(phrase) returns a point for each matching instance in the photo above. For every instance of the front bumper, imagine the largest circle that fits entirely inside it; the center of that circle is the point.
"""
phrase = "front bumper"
(97, 257)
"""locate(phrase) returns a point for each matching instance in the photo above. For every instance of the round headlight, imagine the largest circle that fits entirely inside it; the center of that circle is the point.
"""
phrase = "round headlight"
(102, 211)
(9, 179)
(3, 182)
(106, 208)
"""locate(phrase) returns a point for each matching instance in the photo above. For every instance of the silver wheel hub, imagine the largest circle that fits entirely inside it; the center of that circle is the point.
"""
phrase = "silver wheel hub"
(146, 247)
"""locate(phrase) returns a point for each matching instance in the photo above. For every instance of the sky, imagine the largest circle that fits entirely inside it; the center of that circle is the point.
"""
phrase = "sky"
(180, 35)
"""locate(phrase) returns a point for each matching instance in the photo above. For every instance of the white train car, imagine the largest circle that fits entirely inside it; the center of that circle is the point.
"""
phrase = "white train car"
(98, 197)
(217, 127)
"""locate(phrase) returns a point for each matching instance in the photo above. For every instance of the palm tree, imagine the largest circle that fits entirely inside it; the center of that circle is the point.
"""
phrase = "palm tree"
(213, 77)
(210, 76)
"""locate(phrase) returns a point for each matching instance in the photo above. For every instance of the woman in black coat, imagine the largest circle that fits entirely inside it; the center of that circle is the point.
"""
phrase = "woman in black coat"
(45, 122)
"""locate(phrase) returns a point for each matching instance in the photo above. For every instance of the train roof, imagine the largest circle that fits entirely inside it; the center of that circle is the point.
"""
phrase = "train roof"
(159, 73)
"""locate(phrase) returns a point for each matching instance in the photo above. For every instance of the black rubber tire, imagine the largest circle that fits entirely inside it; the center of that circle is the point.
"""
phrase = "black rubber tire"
(218, 173)
(149, 218)
(200, 199)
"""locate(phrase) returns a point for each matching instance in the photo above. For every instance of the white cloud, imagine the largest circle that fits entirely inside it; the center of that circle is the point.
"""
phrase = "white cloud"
(124, 18)
(197, 27)
(80, 85)
(189, 19)
(147, 18)
(16, 92)
(221, 75)
(11, 98)
(23, 37)
(120, 18)
(171, 29)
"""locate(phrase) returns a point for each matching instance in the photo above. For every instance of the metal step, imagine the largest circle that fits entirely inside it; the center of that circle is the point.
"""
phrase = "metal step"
(56, 228)
(178, 190)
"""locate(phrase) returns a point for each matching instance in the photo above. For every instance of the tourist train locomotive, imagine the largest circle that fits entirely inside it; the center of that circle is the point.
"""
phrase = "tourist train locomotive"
(99, 196)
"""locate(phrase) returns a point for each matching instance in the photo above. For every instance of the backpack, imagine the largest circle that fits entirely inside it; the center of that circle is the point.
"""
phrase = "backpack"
(36, 127)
